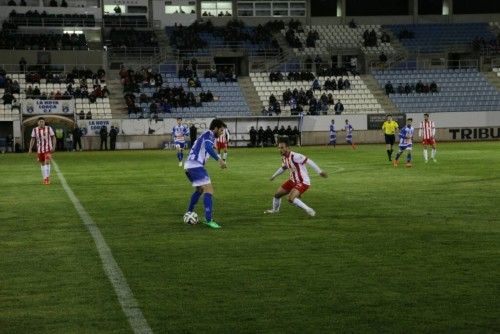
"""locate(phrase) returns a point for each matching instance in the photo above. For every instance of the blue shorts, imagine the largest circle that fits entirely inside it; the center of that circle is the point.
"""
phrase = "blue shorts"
(179, 144)
(198, 176)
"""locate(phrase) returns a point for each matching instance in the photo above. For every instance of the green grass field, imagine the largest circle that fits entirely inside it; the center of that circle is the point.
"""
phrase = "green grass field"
(390, 250)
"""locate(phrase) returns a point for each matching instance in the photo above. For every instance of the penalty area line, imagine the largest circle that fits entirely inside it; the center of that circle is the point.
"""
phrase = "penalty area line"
(125, 296)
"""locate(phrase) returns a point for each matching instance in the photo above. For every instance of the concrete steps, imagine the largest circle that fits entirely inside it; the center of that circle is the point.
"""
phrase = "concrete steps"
(250, 94)
(116, 101)
(387, 105)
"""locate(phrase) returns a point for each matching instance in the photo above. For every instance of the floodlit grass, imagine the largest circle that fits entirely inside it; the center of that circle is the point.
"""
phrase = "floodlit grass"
(390, 250)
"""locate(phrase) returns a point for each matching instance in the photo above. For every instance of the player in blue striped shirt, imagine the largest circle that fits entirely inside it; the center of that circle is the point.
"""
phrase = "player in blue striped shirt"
(333, 134)
(201, 150)
(405, 143)
(179, 133)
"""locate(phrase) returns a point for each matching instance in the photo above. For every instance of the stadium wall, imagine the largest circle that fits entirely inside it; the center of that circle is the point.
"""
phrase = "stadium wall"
(150, 134)
(91, 59)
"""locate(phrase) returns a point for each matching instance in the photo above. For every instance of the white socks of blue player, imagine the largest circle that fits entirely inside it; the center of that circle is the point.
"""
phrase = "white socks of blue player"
(303, 206)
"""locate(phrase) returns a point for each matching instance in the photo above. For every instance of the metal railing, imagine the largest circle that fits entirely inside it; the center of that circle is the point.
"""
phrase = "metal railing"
(53, 21)
(428, 63)
(48, 68)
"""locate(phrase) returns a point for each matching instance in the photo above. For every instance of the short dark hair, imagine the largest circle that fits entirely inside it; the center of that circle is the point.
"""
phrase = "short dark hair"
(41, 119)
(388, 115)
(284, 140)
(426, 114)
(179, 118)
(217, 123)
(409, 119)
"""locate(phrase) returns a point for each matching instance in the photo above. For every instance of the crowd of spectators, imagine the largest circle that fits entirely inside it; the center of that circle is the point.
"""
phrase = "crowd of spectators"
(419, 87)
(492, 46)
(52, 3)
(75, 81)
(10, 38)
(292, 40)
(164, 97)
(34, 18)
(370, 38)
(130, 38)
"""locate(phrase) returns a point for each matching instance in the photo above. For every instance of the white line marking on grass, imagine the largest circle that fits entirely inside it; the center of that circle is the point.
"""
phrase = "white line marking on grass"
(125, 296)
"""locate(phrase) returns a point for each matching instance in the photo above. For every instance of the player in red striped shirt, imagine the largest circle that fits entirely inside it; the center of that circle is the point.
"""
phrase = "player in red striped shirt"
(299, 180)
(427, 132)
(221, 143)
(45, 140)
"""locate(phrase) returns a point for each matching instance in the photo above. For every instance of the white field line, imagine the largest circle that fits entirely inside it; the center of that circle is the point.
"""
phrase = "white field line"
(125, 296)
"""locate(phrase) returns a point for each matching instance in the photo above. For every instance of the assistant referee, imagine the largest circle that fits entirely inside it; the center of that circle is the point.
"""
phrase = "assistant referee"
(389, 128)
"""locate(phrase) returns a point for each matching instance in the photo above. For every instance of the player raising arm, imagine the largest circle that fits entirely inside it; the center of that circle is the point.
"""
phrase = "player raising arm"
(299, 180)
(45, 140)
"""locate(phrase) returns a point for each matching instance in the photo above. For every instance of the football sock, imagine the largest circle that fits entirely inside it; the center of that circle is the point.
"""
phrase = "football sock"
(42, 167)
(224, 156)
(194, 199)
(47, 170)
(181, 156)
(276, 203)
(207, 201)
(389, 154)
(398, 155)
(426, 156)
(408, 157)
(433, 153)
(301, 204)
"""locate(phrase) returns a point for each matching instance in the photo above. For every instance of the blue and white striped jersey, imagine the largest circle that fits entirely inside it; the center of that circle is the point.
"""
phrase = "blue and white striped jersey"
(406, 136)
(202, 148)
(179, 132)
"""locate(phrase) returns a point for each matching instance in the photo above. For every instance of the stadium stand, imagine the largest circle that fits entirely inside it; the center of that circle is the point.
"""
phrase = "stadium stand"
(33, 18)
(86, 88)
(125, 21)
(435, 38)
(459, 90)
(173, 95)
(356, 99)
(11, 38)
(330, 37)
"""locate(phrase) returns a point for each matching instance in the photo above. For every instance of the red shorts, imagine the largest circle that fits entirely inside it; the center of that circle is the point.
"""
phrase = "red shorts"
(220, 146)
(42, 157)
(431, 141)
(289, 185)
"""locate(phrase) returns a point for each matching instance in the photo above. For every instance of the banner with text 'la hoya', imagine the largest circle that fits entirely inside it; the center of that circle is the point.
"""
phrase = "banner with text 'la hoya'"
(48, 107)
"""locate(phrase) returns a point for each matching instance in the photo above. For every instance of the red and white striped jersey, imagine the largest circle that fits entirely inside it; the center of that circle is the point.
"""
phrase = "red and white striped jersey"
(43, 137)
(296, 164)
(427, 129)
(223, 138)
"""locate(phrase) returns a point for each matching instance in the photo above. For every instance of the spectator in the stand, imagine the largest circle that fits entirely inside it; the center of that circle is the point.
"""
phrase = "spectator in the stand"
(64, 4)
(22, 64)
(401, 89)
(8, 97)
(352, 24)
(407, 88)
(53, 3)
(81, 115)
(317, 62)
(194, 64)
(330, 99)
(339, 108)
(316, 85)
(269, 137)
(89, 115)
(23, 3)
(253, 137)
(433, 87)
(389, 89)
(308, 62)
(11, 3)
(103, 134)
(15, 88)
(340, 84)
(347, 84)
(113, 133)
(117, 10)
(382, 57)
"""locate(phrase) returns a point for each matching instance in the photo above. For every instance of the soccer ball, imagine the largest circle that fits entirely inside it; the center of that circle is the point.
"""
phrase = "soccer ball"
(191, 218)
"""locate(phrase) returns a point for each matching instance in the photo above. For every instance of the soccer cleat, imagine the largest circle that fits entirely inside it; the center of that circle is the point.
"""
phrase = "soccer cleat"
(46, 181)
(271, 211)
(426, 161)
(434, 159)
(180, 163)
(212, 224)
(311, 212)
(408, 164)
(395, 162)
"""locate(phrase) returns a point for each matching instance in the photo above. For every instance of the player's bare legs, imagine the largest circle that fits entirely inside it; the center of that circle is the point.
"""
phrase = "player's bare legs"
(224, 155)
(180, 154)
(277, 200)
(293, 198)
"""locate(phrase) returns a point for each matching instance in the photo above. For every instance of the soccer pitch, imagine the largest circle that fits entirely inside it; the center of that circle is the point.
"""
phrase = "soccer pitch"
(390, 249)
